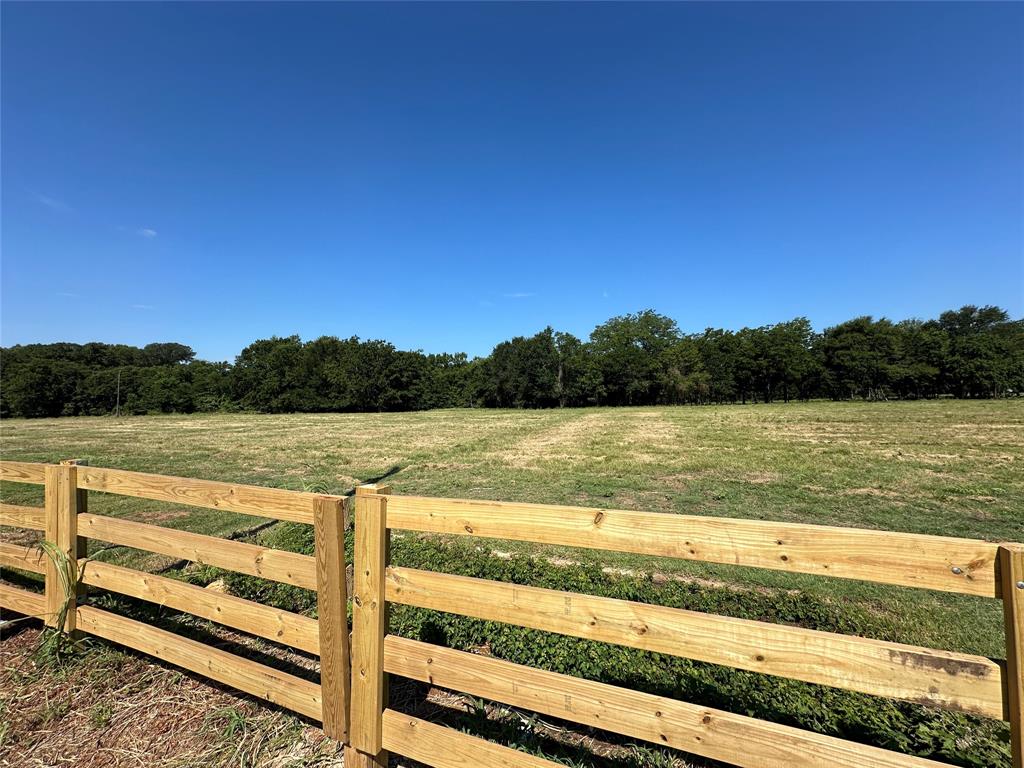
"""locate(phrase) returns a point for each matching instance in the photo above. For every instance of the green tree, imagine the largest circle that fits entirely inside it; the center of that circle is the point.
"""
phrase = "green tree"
(524, 372)
(629, 351)
(272, 375)
(859, 358)
(578, 381)
(789, 362)
(985, 352)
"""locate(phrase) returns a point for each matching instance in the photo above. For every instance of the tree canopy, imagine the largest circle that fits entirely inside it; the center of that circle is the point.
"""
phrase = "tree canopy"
(635, 359)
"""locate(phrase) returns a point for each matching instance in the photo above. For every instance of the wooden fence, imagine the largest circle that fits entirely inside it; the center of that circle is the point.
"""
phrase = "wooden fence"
(67, 523)
(957, 681)
(370, 729)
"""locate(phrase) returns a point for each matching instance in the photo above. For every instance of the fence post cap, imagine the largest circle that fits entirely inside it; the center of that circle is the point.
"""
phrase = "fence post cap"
(372, 488)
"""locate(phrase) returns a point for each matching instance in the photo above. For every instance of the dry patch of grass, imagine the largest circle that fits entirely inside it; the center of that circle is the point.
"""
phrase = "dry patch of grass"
(108, 709)
(563, 442)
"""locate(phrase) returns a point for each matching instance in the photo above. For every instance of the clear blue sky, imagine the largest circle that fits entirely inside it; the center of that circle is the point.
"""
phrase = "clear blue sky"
(448, 176)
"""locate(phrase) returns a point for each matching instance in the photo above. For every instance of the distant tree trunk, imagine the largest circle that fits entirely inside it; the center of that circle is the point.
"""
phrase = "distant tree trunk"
(561, 384)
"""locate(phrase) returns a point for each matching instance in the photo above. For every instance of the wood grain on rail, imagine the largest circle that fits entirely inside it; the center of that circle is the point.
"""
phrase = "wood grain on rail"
(21, 517)
(253, 678)
(294, 506)
(22, 601)
(274, 564)
(23, 472)
(939, 678)
(734, 739)
(912, 560)
(443, 747)
(31, 559)
(271, 623)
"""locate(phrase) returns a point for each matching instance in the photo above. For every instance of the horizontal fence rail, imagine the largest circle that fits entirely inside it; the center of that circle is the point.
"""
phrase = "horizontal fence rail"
(952, 680)
(23, 472)
(293, 506)
(656, 719)
(250, 559)
(904, 559)
(22, 517)
(22, 601)
(67, 524)
(446, 748)
(244, 615)
(29, 559)
(257, 679)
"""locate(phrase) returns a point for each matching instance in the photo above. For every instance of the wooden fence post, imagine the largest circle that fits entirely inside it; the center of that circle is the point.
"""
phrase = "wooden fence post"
(61, 530)
(332, 603)
(1011, 569)
(81, 508)
(369, 625)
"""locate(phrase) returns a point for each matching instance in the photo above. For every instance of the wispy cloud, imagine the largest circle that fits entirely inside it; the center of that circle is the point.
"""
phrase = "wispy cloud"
(519, 295)
(147, 233)
(52, 202)
(142, 306)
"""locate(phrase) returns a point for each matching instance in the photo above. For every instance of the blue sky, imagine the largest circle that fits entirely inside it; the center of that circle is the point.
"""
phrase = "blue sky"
(448, 176)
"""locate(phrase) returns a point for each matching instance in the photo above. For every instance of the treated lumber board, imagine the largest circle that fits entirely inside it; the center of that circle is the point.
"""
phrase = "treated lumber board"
(23, 472)
(443, 747)
(19, 516)
(939, 678)
(31, 559)
(730, 738)
(274, 564)
(253, 678)
(60, 520)
(66, 478)
(369, 625)
(22, 601)
(53, 588)
(276, 503)
(332, 615)
(1011, 566)
(912, 560)
(244, 615)
(79, 544)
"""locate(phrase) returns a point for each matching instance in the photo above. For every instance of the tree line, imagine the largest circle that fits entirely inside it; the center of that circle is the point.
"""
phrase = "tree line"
(635, 359)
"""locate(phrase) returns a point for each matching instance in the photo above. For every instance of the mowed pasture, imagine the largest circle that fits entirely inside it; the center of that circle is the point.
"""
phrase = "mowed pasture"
(952, 468)
(944, 467)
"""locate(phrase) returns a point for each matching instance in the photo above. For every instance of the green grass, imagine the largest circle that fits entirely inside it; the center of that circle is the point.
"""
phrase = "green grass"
(943, 467)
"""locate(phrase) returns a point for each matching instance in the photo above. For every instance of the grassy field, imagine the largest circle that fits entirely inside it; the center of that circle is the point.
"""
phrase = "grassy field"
(943, 467)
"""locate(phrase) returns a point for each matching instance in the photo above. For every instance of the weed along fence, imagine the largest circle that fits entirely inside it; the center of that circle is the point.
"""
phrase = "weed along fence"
(352, 702)
(66, 524)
